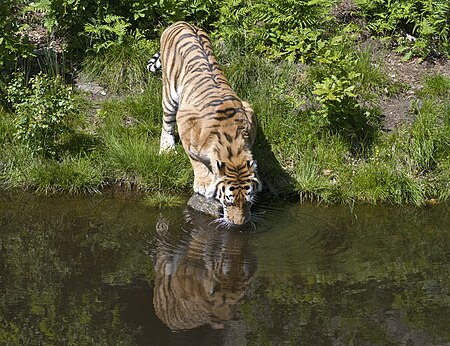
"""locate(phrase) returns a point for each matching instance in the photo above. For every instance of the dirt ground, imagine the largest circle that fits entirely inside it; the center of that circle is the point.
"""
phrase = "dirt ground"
(397, 110)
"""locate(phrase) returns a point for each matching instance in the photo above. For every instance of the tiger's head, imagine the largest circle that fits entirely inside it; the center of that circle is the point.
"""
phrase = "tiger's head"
(236, 189)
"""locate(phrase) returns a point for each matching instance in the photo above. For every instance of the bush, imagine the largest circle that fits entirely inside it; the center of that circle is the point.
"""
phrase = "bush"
(418, 27)
(275, 28)
(45, 112)
(12, 47)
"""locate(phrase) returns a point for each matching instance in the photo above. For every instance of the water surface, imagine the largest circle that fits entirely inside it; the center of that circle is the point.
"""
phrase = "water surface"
(111, 270)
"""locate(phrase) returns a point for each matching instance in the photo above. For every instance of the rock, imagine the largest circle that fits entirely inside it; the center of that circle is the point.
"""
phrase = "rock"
(205, 205)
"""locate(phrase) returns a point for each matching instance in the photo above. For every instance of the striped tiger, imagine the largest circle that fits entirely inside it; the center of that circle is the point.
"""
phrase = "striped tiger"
(216, 128)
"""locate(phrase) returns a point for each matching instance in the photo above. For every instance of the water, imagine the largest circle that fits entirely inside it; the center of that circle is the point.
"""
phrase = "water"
(110, 270)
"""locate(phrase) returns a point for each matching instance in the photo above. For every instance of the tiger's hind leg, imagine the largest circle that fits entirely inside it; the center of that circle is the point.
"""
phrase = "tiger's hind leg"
(167, 142)
(170, 107)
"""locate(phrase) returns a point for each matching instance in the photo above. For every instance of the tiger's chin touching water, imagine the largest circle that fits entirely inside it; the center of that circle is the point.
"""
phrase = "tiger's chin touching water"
(217, 129)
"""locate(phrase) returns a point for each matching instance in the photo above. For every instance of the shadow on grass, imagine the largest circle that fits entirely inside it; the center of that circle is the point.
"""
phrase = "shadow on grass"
(277, 182)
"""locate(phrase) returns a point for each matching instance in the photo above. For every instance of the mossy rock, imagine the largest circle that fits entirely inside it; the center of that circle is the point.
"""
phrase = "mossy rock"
(205, 205)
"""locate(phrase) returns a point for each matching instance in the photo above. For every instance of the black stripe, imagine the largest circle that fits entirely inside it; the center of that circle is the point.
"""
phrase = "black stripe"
(219, 102)
(230, 111)
(228, 137)
(230, 152)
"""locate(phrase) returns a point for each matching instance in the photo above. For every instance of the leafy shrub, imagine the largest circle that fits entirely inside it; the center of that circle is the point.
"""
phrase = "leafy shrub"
(12, 47)
(112, 30)
(44, 112)
(275, 28)
(71, 18)
(118, 57)
(418, 27)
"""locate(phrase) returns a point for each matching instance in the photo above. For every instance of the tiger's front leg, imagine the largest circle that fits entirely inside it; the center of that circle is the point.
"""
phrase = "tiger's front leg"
(203, 179)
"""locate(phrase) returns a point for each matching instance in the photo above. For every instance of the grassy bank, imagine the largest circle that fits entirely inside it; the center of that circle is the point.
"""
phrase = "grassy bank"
(326, 101)
(118, 144)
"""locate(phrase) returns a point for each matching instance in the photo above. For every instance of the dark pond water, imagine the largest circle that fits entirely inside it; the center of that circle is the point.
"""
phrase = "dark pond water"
(110, 270)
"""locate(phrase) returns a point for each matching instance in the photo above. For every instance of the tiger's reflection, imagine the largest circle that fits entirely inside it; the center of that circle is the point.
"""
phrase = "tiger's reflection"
(201, 274)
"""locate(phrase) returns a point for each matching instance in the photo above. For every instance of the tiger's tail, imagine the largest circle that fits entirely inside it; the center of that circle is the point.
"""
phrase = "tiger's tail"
(154, 64)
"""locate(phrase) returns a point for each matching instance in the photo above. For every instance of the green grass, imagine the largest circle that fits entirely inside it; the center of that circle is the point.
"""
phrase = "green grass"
(130, 144)
(164, 200)
(71, 174)
(122, 67)
(383, 183)
(6, 131)
(333, 167)
(135, 161)
(21, 168)
(436, 85)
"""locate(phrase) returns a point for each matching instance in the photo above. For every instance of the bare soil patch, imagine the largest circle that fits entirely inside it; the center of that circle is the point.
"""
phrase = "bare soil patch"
(397, 110)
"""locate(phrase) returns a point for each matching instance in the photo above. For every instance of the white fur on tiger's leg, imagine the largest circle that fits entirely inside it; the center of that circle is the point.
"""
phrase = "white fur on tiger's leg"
(167, 142)
(203, 179)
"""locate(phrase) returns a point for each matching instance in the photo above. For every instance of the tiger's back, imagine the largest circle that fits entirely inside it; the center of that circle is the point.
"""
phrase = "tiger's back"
(216, 128)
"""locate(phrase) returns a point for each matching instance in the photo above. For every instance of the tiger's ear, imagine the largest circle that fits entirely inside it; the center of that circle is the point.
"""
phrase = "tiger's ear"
(252, 164)
(247, 108)
(219, 168)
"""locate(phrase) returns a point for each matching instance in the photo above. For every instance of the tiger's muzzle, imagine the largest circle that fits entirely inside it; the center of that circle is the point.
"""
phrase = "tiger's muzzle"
(237, 214)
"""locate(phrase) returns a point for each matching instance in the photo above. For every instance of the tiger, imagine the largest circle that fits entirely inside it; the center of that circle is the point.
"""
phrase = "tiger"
(201, 274)
(216, 128)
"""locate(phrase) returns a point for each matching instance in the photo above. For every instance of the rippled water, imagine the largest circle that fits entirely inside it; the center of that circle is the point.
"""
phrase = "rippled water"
(111, 270)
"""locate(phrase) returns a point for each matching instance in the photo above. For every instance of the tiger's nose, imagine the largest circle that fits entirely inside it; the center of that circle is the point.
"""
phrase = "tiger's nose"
(240, 217)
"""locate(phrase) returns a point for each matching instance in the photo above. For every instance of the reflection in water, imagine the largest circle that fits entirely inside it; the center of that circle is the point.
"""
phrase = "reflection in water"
(77, 270)
(201, 273)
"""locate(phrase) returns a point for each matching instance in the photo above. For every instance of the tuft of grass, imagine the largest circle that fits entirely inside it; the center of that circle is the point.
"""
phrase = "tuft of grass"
(164, 200)
(20, 167)
(6, 127)
(318, 169)
(373, 78)
(311, 184)
(436, 85)
(135, 160)
(422, 146)
(140, 113)
(72, 174)
(439, 186)
(379, 182)
(15, 163)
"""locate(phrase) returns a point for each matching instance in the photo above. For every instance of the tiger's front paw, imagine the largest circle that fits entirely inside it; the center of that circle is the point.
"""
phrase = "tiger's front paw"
(199, 188)
(167, 142)
(204, 189)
